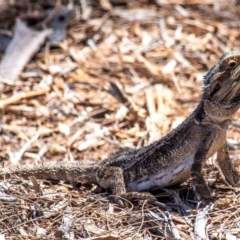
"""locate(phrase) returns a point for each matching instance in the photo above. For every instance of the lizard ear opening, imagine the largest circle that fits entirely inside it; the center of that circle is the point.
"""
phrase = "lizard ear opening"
(232, 64)
(216, 88)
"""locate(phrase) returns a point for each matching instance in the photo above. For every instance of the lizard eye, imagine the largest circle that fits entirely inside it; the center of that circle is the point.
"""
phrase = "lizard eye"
(232, 64)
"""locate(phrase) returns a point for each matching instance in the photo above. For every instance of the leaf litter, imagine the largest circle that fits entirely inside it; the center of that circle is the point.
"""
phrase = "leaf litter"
(124, 74)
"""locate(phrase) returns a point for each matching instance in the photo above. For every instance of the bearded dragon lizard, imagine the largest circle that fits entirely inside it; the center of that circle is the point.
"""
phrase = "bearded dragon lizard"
(171, 160)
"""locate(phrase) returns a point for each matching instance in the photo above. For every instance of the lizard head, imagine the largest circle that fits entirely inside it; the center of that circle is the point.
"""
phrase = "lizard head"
(222, 85)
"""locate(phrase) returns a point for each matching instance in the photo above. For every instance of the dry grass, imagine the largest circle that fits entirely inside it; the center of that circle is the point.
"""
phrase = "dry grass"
(156, 52)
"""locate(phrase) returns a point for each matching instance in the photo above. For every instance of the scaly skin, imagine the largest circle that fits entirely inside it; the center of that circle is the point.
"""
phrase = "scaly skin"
(174, 158)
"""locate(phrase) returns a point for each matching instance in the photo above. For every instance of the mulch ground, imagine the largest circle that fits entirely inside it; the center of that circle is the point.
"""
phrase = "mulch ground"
(127, 73)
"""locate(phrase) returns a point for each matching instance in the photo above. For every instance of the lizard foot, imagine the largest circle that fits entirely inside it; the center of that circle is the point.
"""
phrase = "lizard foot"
(200, 187)
(138, 195)
(202, 192)
(129, 196)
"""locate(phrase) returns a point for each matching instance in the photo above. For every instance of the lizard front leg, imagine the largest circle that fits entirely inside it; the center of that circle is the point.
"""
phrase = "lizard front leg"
(112, 178)
(199, 184)
(227, 168)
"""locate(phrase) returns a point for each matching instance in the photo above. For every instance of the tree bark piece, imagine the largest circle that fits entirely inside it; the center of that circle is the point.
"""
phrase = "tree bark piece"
(24, 45)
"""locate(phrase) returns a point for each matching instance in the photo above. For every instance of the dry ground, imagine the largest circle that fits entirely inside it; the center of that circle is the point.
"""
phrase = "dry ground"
(127, 74)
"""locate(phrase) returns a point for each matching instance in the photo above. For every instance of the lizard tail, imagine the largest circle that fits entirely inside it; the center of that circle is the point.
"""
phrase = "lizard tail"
(71, 171)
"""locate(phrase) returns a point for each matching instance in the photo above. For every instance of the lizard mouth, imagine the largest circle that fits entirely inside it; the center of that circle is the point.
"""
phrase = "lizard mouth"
(226, 90)
(233, 95)
(216, 89)
(228, 97)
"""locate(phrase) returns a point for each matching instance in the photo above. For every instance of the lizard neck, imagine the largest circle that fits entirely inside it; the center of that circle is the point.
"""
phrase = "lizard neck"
(218, 114)
(208, 113)
(221, 124)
